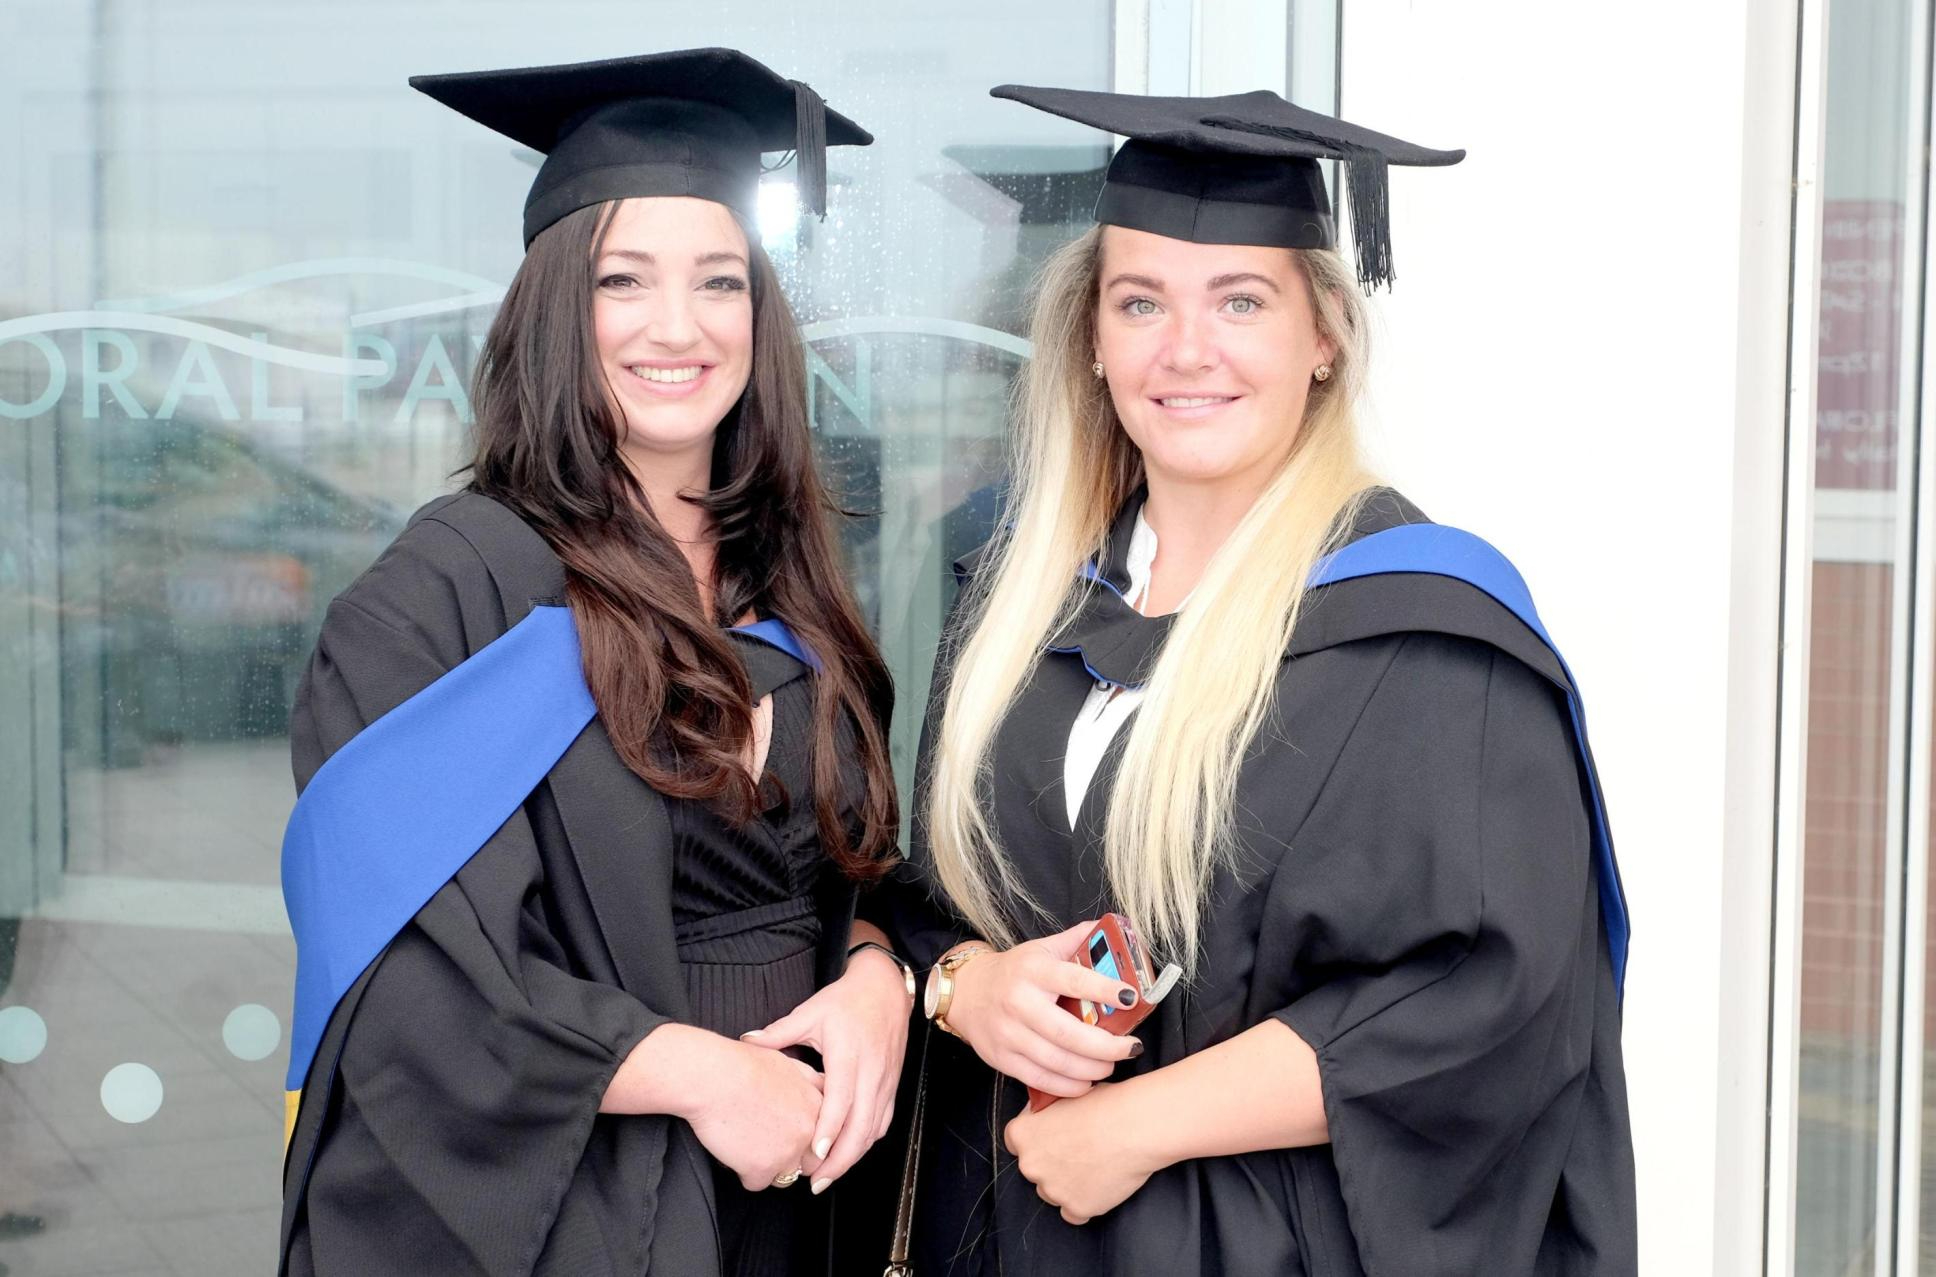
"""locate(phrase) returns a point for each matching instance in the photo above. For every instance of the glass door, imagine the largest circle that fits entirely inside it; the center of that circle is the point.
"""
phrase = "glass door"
(243, 276)
(1857, 1052)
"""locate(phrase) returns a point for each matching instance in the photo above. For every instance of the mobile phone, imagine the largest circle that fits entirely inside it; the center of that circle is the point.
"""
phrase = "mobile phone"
(1113, 949)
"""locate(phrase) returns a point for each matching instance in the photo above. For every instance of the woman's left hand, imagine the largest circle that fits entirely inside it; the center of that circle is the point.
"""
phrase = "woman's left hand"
(1074, 1152)
(859, 1024)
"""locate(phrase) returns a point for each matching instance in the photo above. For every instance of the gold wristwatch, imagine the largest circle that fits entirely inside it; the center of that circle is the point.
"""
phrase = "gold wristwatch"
(940, 993)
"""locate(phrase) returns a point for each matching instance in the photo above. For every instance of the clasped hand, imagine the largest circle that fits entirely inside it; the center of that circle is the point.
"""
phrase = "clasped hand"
(785, 1115)
(1076, 1155)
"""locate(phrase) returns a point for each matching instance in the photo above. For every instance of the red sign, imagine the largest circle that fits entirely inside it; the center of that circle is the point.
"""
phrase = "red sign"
(1859, 350)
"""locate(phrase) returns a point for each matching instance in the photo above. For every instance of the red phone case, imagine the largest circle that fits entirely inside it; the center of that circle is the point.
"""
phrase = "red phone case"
(1128, 952)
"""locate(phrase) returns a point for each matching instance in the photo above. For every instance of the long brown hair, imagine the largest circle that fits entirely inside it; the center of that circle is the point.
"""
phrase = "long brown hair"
(672, 695)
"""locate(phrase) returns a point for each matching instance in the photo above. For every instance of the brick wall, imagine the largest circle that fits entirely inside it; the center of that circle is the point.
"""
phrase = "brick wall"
(1842, 883)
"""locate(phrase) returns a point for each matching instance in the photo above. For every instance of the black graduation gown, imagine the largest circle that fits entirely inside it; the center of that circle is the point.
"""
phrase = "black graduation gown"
(461, 1132)
(1413, 896)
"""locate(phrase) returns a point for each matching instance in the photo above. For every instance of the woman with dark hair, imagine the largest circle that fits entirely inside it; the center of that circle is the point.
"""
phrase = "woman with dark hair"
(593, 758)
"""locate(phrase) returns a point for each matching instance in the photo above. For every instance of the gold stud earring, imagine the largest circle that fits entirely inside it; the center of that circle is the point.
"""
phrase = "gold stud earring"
(1322, 373)
(1096, 368)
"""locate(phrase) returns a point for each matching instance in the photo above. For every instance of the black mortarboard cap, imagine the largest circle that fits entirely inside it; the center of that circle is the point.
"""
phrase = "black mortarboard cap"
(1239, 169)
(694, 122)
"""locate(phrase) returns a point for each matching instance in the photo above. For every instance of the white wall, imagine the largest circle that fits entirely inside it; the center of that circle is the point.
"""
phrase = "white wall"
(1583, 361)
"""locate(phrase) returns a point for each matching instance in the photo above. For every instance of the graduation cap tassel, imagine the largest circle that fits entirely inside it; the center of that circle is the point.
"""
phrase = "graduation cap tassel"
(1368, 183)
(810, 147)
(1367, 168)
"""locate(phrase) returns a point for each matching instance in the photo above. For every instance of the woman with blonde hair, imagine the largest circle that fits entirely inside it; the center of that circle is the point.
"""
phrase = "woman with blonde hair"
(1316, 748)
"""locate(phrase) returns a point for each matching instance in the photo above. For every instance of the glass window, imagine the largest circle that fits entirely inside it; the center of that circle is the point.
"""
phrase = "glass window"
(244, 277)
(1857, 683)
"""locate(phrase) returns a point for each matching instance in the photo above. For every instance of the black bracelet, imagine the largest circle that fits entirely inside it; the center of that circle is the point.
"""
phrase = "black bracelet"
(907, 971)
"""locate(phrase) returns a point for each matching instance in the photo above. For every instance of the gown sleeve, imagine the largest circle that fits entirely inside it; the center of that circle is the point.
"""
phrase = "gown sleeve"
(1440, 908)
(474, 1063)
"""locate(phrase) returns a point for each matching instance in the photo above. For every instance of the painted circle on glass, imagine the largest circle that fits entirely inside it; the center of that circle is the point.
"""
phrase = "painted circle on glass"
(23, 1034)
(131, 1093)
(251, 1032)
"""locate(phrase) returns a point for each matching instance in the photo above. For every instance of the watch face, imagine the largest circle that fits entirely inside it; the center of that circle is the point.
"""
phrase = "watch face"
(931, 996)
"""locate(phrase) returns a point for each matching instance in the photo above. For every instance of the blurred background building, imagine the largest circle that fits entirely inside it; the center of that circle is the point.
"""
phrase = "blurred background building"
(1662, 338)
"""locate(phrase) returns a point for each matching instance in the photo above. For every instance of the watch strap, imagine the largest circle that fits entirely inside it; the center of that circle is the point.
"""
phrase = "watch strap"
(907, 971)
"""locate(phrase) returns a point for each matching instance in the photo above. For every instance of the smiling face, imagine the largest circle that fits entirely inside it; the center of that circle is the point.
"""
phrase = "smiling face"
(1209, 351)
(672, 311)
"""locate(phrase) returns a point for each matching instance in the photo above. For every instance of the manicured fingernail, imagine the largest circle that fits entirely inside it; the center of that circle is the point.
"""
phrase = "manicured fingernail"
(751, 1033)
(821, 1145)
(1135, 1047)
(1126, 996)
(820, 1186)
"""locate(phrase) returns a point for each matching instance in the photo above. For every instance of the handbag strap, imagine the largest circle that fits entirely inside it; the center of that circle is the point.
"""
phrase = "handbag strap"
(897, 1254)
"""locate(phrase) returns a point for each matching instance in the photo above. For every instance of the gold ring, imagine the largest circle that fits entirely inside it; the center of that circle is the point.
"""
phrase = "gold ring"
(789, 1179)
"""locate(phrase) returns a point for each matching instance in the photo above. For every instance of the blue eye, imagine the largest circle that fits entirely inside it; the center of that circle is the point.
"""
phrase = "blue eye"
(1244, 305)
(1140, 306)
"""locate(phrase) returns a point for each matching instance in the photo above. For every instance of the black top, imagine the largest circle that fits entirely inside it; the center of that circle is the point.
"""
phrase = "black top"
(748, 902)
(745, 898)
(1412, 895)
(461, 1133)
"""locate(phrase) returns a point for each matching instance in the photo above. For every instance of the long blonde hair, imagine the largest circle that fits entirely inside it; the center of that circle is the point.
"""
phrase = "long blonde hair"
(1072, 467)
